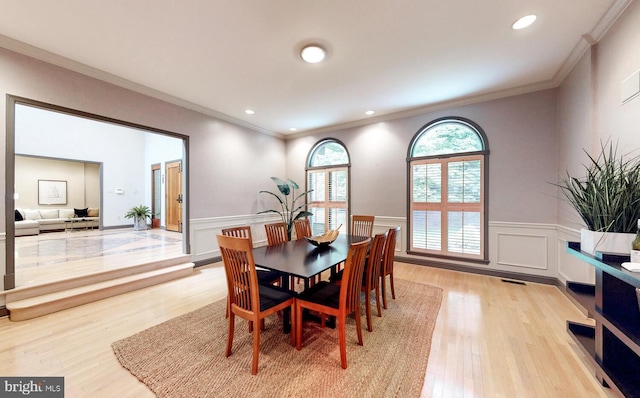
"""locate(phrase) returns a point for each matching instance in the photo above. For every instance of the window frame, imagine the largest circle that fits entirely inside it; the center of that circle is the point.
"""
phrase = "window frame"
(443, 206)
(327, 169)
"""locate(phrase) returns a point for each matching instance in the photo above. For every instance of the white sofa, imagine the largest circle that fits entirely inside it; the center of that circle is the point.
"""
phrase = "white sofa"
(35, 221)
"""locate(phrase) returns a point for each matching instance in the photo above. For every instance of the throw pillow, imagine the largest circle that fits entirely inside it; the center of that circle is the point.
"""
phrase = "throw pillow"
(93, 212)
(81, 212)
(19, 216)
(32, 215)
(49, 214)
(66, 213)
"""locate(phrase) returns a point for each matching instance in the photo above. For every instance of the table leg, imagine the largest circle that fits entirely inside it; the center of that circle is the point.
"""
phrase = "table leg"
(286, 314)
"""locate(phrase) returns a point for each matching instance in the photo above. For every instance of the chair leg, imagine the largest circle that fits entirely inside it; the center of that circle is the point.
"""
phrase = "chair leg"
(378, 301)
(231, 330)
(228, 305)
(359, 326)
(293, 322)
(298, 326)
(256, 350)
(343, 342)
(393, 291)
(384, 292)
(367, 302)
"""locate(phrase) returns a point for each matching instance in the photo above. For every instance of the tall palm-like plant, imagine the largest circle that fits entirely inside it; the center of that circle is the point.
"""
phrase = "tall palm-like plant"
(607, 198)
(289, 211)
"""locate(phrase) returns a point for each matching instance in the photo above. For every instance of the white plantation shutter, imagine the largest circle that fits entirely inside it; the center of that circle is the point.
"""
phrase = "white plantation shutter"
(328, 176)
(447, 192)
(330, 209)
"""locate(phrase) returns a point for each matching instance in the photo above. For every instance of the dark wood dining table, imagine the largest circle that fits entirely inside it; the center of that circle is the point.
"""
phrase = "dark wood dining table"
(301, 259)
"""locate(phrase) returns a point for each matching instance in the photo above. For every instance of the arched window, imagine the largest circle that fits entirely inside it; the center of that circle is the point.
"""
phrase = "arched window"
(447, 214)
(328, 177)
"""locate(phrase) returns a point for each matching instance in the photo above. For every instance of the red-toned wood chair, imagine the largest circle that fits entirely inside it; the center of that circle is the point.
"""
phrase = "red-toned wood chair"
(264, 276)
(371, 277)
(387, 264)
(337, 300)
(276, 233)
(362, 225)
(247, 298)
(303, 228)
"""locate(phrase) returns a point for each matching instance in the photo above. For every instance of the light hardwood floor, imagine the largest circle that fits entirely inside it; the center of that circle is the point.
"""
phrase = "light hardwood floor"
(492, 339)
(60, 255)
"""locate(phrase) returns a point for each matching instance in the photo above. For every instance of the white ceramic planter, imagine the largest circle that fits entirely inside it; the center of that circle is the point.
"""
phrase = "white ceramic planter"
(611, 242)
(140, 224)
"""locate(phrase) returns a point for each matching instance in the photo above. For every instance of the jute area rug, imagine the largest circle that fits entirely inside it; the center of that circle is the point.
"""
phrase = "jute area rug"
(184, 357)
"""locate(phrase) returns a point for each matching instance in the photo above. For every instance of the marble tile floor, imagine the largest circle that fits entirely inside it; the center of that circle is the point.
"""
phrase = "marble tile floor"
(59, 255)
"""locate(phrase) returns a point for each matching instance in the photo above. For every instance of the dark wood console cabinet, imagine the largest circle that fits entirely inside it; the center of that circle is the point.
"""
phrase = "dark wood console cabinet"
(613, 344)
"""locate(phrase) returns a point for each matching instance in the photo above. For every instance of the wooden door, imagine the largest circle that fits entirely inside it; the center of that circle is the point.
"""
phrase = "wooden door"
(173, 171)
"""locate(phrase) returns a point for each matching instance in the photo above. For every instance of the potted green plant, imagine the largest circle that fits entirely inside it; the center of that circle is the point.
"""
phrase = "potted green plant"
(289, 211)
(140, 214)
(607, 199)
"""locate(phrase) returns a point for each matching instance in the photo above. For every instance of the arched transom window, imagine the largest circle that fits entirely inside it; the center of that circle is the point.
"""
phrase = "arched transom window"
(328, 177)
(447, 212)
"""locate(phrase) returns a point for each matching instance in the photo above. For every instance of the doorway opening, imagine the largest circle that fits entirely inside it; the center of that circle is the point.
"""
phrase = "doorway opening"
(126, 153)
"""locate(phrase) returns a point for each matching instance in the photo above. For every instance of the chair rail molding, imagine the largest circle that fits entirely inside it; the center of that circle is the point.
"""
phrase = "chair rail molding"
(532, 249)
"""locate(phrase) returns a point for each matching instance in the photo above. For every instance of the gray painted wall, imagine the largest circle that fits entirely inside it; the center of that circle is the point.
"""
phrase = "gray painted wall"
(522, 137)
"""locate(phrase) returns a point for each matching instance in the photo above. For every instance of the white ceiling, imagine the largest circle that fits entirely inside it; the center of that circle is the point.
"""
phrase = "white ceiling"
(395, 57)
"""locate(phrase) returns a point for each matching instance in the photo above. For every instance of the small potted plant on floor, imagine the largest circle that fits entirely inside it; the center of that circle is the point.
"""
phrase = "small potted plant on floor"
(140, 214)
(607, 199)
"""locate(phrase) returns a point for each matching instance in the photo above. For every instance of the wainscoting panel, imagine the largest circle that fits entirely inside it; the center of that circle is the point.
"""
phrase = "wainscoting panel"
(204, 245)
(519, 248)
(203, 232)
(382, 224)
(522, 250)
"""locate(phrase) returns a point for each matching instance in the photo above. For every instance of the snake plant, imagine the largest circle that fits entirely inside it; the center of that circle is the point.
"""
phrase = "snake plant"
(607, 198)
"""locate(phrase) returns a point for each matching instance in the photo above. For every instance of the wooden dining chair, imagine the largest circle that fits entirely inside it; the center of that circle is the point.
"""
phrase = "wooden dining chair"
(264, 276)
(387, 264)
(303, 228)
(371, 277)
(248, 299)
(337, 300)
(362, 225)
(276, 233)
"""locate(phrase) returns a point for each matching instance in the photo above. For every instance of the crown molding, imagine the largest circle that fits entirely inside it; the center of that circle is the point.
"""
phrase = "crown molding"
(591, 38)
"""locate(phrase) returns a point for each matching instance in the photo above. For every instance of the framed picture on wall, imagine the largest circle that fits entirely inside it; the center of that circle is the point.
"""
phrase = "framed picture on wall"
(52, 192)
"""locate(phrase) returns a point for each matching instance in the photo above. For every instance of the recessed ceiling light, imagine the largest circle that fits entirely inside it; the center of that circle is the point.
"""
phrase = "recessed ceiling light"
(249, 112)
(312, 53)
(524, 22)
(370, 112)
(293, 129)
